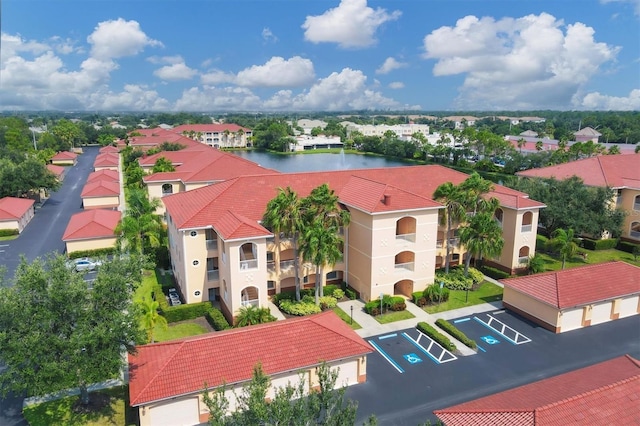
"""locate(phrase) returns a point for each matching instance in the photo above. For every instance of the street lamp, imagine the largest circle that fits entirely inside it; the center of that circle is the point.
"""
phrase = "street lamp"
(351, 314)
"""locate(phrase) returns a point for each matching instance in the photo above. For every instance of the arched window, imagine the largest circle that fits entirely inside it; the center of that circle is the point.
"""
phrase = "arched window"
(249, 296)
(636, 203)
(405, 261)
(523, 255)
(527, 222)
(167, 189)
(635, 230)
(499, 216)
(248, 256)
(406, 229)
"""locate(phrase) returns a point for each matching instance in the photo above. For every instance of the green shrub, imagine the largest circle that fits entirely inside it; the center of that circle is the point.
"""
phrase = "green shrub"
(307, 298)
(605, 244)
(158, 295)
(285, 295)
(627, 246)
(372, 308)
(8, 232)
(216, 319)
(338, 294)
(494, 273)
(91, 253)
(351, 293)
(416, 296)
(455, 279)
(328, 290)
(328, 302)
(476, 276)
(435, 294)
(299, 308)
(396, 303)
(186, 312)
(453, 330)
(440, 338)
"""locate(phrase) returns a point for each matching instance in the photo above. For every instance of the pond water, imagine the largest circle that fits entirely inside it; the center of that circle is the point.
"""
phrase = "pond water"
(318, 162)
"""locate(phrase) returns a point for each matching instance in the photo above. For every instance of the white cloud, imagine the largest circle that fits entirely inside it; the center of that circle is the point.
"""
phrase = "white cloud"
(351, 25)
(175, 59)
(396, 85)
(175, 72)
(119, 38)
(634, 3)
(214, 77)
(211, 98)
(133, 98)
(597, 101)
(522, 63)
(268, 36)
(389, 65)
(278, 72)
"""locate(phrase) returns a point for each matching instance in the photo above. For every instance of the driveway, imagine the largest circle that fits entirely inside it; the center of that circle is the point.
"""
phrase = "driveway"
(44, 235)
(410, 398)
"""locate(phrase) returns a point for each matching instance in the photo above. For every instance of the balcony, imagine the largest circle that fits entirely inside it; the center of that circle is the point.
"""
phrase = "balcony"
(407, 238)
(404, 267)
(522, 261)
(526, 228)
(212, 244)
(454, 242)
(213, 275)
(254, 302)
(439, 244)
(248, 264)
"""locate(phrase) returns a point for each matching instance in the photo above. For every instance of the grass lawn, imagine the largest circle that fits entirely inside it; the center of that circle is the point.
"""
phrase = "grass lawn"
(394, 316)
(60, 412)
(8, 237)
(177, 331)
(552, 263)
(488, 292)
(347, 318)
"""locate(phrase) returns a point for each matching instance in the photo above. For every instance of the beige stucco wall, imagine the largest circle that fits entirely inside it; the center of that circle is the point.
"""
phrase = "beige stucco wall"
(10, 224)
(627, 203)
(93, 244)
(154, 189)
(515, 238)
(63, 162)
(531, 306)
(97, 169)
(19, 224)
(98, 202)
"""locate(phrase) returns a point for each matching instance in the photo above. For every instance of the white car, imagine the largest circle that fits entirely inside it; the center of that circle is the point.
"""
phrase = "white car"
(83, 264)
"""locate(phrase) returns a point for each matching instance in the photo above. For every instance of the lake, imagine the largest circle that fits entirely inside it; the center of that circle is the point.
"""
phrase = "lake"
(318, 162)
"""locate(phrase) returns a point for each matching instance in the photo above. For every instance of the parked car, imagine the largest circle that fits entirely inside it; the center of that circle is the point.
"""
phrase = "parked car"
(83, 264)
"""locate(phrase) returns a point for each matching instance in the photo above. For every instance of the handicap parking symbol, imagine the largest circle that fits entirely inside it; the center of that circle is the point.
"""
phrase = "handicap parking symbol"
(490, 340)
(412, 358)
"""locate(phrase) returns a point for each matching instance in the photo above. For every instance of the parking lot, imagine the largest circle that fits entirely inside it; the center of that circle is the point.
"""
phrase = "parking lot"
(498, 330)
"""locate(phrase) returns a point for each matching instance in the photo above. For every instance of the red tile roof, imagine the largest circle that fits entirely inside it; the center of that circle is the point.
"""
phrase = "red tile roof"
(107, 159)
(579, 286)
(104, 175)
(407, 188)
(220, 128)
(109, 148)
(65, 155)
(605, 393)
(12, 208)
(58, 171)
(90, 224)
(614, 171)
(100, 188)
(164, 370)
(154, 137)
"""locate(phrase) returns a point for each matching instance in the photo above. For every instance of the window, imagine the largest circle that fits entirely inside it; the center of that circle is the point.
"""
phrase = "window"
(527, 221)
(269, 256)
(332, 275)
(305, 280)
(636, 203)
(195, 262)
(167, 189)
(197, 293)
(271, 285)
(193, 233)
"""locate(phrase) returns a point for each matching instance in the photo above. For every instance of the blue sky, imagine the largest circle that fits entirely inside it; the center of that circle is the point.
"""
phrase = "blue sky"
(319, 55)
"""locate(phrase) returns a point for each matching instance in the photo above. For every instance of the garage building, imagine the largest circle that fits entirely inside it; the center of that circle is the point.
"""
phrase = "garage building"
(574, 298)
(166, 380)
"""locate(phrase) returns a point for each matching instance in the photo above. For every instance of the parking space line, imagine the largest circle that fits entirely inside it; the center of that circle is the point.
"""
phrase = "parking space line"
(518, 338)
(462, 320)
(501, 311)
(438, 359)
(387, 336)
(385, 356)
(481, 348)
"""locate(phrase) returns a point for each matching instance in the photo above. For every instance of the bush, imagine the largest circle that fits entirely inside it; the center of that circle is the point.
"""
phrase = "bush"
(476, 276)
(299, 308)
(307, 298)
(158, 295)
(435, 294)
(396, 303)
(8, 232)
(217, 320)
(416, 296)
(186, 312)
(351, 293)
(599, 244)
(91, 253)
(627, 246)
(338, 294)
(328, 302)
(453, 330)
(494, 273)
(455, 279)
(440, 338)
(329, 290)
(372, 308)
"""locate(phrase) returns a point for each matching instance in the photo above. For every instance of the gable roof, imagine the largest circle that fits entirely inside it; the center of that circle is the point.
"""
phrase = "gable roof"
(164, 370)
(65, 155)
(13, 208)
(90, 224)
(604, 393)
(407, 188)
(109, 148)
(579, 286)
(107, 159)
(613, 171)
(58, 171)
(105, 175)
(587, 131)
(100, 188)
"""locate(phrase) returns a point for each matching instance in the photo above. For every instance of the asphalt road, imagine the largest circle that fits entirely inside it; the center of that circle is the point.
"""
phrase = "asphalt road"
(409, 399)
(43, 235)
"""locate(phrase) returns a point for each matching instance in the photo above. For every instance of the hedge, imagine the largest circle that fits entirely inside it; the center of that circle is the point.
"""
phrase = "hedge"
(440, 338)
(217, 320)
(186, 311)
(351, 293)
(91, 253)
(372, 308)
(599, 244)
(627, 246)
(8, 232)
(299, 308)
(416, 296)
(455, 332)
(158, 295)
(494, 273)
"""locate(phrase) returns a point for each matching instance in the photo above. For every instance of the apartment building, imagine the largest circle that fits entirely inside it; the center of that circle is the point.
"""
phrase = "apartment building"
(393, 245)
(402, 131)
(217, 135)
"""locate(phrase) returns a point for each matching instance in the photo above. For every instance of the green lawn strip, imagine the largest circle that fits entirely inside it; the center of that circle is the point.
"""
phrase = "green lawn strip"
(177, 331)
(394, 316)
(346, 318)
(553, 263)
(488, 292)
(8, 237)
(60, 411)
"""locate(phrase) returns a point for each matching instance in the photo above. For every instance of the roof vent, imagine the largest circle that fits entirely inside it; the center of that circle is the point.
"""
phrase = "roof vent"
(386, 199)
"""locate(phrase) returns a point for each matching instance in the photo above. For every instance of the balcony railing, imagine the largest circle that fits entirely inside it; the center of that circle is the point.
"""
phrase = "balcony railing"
(439, 243)
(248, 264)
(454, 242)
(523, 260)
(636, 206)
(403, 267)
(212, 244)
(411, 238)
(254, 302)
(526, 228)
(213, 275)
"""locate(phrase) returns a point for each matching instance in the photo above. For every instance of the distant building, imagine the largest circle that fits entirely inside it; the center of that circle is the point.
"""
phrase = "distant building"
(402, 131)
(16, 213)
(308, 125)
(217, 135)
(587, 134)
(306, 142)
(461, 121)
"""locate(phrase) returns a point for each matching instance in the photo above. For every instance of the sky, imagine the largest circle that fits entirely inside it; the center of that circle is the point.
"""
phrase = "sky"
(319, 55)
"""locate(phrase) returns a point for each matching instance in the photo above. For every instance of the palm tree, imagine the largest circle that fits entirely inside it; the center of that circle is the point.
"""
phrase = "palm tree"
(151, 318)
(521, 142)
(140, 228)
(482, 235)
(251, 315)
(536, 264)
(563, 242)
(283, 215)
(454, 201)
